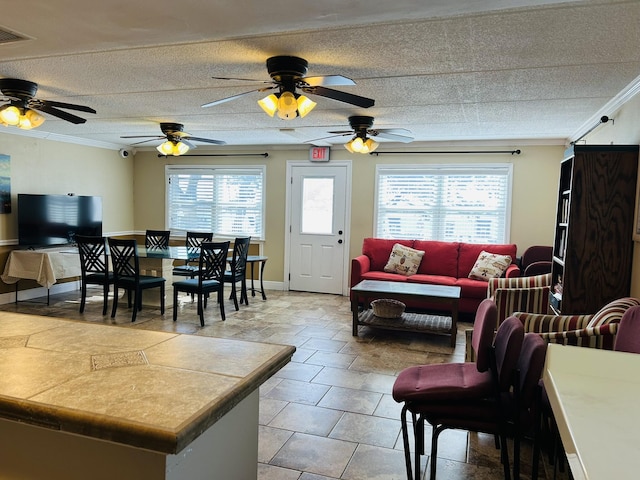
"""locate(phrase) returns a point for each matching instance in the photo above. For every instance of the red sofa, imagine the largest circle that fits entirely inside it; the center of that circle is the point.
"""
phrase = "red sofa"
(443, 263)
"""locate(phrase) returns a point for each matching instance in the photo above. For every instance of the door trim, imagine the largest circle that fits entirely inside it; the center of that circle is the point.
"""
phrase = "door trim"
(347, 219)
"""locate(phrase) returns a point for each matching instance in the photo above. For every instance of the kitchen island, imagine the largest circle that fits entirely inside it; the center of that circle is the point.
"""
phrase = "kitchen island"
(81, 400)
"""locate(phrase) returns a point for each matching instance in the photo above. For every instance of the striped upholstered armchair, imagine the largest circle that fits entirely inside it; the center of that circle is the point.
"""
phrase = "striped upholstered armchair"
(516, 294)
(597, 330)
(520, 294)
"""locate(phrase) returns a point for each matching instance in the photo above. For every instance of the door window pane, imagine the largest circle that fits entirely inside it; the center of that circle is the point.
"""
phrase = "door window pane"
(317, 205)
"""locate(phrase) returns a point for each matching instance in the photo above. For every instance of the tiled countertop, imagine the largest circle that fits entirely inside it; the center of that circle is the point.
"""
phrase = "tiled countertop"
(153, 390)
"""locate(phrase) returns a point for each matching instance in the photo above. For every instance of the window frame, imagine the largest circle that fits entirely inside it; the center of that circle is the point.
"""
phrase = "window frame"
(442, 169)
(214, 170)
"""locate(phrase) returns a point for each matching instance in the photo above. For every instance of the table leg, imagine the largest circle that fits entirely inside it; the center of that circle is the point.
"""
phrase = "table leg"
(253, 288)
(454, 322)
(355, 313)
(263, 263)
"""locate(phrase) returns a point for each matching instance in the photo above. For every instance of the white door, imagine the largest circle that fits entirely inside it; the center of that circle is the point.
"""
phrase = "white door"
(318, 220)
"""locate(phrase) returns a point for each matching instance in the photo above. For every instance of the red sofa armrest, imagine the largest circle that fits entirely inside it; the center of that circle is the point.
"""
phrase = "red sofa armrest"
(359, 265)
(512, 271)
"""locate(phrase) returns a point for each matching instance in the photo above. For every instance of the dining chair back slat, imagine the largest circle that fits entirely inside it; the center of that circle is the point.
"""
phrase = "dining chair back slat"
(157, 238)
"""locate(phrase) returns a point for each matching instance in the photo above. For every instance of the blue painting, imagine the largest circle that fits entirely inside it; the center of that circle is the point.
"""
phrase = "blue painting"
(5, 184)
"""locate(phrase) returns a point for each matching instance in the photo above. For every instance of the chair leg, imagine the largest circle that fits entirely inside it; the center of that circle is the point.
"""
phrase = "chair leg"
(405, 442)
(83, 296)
(435, 433)
(105, 296)
(504, 456)
(115, 301)
(175, 304)
(221, 301)
(137, 301)
(243, 292)
(201, 309)
(161, 299)
(234, 296)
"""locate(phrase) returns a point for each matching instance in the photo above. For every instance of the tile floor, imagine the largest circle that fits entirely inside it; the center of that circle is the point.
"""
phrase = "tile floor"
(329, 413)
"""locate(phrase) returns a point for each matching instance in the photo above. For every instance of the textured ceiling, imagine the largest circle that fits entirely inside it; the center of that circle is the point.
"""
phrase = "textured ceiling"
(447, 71)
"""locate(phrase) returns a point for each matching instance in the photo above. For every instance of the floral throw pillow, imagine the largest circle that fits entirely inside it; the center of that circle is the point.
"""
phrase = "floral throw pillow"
(404, 260)
(489, 265)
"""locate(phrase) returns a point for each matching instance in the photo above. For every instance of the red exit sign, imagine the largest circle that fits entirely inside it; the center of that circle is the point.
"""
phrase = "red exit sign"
(319, 154)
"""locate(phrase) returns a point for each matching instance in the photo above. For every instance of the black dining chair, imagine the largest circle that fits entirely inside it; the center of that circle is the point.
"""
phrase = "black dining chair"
(94, 268)
(157, 238)
(238, 270)
(126, 275)
(193, 242)
(213, 258)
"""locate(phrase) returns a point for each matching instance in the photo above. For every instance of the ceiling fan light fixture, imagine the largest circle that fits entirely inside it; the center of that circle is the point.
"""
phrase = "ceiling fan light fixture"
(370, 146)
(305, 105)
(25, 119)
(10, 115)
(360, 145)
(269, 104)
(31, 119)
(173, 148)
(287, 104)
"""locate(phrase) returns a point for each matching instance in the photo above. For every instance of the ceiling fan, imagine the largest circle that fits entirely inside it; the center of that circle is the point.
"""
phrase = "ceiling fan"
(287, 76)
(361, 132)
(22, 107)
(177, 142)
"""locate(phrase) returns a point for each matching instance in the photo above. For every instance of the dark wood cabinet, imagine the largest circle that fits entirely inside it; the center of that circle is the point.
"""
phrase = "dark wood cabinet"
(593, 246)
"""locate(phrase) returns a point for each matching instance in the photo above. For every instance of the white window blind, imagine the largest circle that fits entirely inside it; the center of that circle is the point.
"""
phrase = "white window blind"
(228, 201)
(467, 203)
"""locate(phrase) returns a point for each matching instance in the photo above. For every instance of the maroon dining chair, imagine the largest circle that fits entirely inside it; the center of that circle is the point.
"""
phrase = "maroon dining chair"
(419, 387)
(628, 336)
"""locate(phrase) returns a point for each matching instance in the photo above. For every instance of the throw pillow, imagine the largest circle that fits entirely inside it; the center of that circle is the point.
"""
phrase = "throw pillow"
(404, 260)
(489, 265)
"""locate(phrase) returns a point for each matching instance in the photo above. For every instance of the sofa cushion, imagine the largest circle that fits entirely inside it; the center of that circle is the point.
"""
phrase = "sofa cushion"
(470, 288)
(440, 258)
(469, 252)
(404, 260)
(384, 276)
(432, 279)
(379, 249)
(489, 265)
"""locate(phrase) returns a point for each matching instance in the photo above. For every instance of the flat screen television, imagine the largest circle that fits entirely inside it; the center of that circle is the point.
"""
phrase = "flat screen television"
(45, 220)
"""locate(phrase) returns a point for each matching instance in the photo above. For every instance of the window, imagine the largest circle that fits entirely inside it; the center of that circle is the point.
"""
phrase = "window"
(228, 201)
(466, 203)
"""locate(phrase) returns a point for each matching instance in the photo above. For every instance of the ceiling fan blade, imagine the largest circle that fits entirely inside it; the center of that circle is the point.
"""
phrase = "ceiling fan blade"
(188, 143)
(328, 81)
(330, 136)
(206, 140)
(144, 141)
(60, 114)
(341, 96)
(152, 137)
(233, 97)
(343, 132)
(68, 106)
(242, 79)
(391, 134)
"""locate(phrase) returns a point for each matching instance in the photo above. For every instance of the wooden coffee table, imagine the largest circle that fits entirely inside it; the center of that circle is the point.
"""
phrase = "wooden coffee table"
(369, 290)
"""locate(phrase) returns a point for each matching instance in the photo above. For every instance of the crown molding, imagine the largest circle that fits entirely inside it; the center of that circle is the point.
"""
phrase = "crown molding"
(610, 107)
